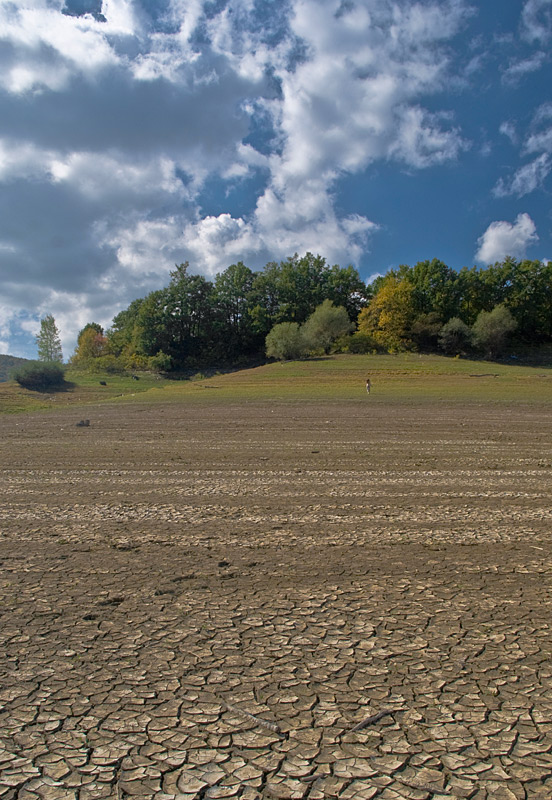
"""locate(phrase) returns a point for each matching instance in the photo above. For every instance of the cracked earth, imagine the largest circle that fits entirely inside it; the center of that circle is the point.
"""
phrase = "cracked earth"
(276, 601)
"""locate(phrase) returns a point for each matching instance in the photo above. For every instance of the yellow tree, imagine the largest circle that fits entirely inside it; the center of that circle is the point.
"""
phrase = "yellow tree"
(91, 344)
(389, 315)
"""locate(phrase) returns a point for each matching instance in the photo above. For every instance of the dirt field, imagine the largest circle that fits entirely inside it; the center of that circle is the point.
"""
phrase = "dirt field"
(202, 601)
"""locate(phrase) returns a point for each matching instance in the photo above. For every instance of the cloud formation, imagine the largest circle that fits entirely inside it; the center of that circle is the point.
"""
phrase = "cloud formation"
(135, 135)
(116, 116)
(503, 239)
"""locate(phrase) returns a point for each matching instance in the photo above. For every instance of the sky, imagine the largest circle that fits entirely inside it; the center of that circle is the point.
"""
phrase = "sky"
(139, 134)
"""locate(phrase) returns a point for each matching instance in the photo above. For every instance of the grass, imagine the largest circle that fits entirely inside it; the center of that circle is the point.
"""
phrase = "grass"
(402, 378)
(81, 389)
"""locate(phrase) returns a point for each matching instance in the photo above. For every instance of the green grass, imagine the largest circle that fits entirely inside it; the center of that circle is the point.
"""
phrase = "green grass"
(402, 378)
(81, 389)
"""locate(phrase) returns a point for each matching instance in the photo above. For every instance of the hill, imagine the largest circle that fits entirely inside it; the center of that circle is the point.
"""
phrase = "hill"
(7, 363)
(406, 379)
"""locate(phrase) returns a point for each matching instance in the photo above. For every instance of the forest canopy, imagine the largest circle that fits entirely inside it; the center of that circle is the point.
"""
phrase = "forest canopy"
(194, 322)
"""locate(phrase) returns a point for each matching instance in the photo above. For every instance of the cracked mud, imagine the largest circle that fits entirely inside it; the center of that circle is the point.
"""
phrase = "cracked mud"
(276, 601)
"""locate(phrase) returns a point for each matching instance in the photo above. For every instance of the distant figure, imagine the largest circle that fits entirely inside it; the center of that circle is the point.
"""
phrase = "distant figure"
(103, 383)
(368, 385)
(84, 423)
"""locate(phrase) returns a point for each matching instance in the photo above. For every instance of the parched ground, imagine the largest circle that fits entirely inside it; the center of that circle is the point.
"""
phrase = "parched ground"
(204, 601)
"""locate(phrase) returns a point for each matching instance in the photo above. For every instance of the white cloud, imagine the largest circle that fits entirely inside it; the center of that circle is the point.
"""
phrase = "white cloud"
(536, 20)
(112, 127)
(526, 179)
(503, 239)
(49, 46)
(508, 129)
(519, 69)
(421, 141)
(540, 139)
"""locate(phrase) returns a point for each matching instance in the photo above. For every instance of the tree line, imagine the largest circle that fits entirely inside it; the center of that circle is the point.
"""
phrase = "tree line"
(194, 322)
(302, 305)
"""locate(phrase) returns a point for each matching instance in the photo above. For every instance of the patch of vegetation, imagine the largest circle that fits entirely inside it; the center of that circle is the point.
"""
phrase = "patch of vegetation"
(81, 388)
(396, 379)
(40, 376)
(403, 378)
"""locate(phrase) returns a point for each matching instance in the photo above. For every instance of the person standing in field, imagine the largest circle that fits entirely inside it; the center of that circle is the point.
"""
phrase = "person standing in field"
(368, 385)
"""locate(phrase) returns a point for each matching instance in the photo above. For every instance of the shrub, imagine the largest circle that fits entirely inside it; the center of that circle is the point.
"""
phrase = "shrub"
(425, 330)
(161, 362)
(491, 330)
(109, 363)
(455, 337)
(285, 342)
(362, 343)
(40, 376)
(326, 324)
(135, 362)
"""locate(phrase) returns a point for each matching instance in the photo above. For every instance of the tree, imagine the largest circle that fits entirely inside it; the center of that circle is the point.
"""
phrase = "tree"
(425, 330)
(326, 324)
(122, 337)
(285, 341)
(436, 289)
(389, 315)
(91, 344)
(492, 328)
(48, 341)
(344, 287)
(232, 304)
(455, 336)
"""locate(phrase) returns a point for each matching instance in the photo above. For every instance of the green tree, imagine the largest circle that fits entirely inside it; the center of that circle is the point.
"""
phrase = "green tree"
(492, 328)
(471, 294)
(232, 299)
(48, 341)
(435, 289)
(344, 287)
(285, 341)
(326, 324)
(455, 337)
(123, 335)
(425, 330)
(530, 299)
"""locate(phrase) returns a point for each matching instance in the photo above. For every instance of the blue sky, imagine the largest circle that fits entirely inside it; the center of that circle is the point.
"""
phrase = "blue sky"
(137, 134)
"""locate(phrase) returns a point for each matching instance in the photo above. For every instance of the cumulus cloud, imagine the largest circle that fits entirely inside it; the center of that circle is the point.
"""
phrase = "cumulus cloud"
(116, 115)
(503, 239)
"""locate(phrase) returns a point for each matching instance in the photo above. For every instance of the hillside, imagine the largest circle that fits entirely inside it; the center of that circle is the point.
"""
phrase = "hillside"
(7, 363)
(407, 378)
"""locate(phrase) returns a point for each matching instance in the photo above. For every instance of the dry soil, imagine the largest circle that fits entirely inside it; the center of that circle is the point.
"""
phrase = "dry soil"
(203, 601)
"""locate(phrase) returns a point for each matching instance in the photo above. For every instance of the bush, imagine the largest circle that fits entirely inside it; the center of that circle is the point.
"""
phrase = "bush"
(285, 341)
(161, 362)
(135, 362)
(491, 330)
(362, 343)
(326, 324)
(455, 337)
(40, 376)
(109, 363)
(425, 330)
